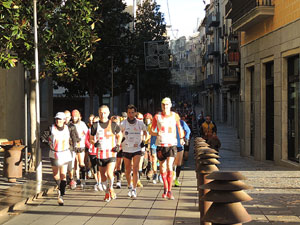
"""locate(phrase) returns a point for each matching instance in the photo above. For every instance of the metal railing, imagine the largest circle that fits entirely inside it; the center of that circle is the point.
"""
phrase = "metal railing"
(242, 7)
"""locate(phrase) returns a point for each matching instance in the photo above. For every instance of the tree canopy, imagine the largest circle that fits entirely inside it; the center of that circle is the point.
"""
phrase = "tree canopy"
(66, 35)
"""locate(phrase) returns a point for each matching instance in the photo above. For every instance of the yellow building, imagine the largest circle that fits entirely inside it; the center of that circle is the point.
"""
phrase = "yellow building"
(270, 71)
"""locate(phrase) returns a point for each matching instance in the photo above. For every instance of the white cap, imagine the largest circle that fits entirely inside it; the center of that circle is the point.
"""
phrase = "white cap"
(166, 100)
(60, 115)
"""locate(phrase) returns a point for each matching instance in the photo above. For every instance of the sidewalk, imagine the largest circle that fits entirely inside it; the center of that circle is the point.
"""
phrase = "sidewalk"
(276, 189)
(87, 206)
(13, 196)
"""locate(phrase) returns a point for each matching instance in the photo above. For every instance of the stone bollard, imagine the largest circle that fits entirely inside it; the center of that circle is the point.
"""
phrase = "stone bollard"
(226, 194)
(207, 161)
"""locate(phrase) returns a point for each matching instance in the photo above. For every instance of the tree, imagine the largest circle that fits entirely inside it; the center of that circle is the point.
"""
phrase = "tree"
(150, 26)
(66, 39)
(113, 48)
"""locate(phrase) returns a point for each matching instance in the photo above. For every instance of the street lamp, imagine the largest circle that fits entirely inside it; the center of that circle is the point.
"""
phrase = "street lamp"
(37, 99)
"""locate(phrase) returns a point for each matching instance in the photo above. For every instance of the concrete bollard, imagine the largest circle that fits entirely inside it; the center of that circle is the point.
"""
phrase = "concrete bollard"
(206, 161)
(226, 194)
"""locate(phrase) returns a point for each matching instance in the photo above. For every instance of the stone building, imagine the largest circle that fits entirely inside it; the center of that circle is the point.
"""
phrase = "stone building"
(270, 70)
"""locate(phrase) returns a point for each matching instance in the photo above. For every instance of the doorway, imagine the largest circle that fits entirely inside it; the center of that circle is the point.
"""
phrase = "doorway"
(269, 110)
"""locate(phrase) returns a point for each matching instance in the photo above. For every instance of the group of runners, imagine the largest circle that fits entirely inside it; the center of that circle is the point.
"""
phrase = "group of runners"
(105, 143)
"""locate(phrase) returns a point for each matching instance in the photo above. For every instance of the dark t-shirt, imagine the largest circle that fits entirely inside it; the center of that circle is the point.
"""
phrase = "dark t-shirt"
(114, 127)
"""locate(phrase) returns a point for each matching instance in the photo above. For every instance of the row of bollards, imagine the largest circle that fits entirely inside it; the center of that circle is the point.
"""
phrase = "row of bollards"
(220, 193)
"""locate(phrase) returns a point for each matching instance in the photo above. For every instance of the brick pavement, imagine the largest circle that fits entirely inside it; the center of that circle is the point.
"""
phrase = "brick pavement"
(276, 189)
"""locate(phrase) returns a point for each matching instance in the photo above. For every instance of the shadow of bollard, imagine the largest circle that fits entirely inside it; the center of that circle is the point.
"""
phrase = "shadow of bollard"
(226, 194)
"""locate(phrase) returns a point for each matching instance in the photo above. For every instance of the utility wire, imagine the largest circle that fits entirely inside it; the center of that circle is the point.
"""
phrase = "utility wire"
(170, 20)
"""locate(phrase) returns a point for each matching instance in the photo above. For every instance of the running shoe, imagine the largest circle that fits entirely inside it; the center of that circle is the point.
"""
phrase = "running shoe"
(118, 185)
(112, 194)
(139, 184)
(100, 188)
(155, 178)
(177, 183)
(82, 185)
(170, 195)
(60, 199)
(96, 187)
(164, 195)
(129, 191)
(133, 194)
(78, 182)
(107, 197)
(72, 185)
(89, 174)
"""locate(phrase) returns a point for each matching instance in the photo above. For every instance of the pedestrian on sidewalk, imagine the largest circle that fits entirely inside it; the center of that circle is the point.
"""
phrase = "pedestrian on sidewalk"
(214, 142)
(58, 138)
(107, 137)
(208, 127)
(166, 142)
(134, 132)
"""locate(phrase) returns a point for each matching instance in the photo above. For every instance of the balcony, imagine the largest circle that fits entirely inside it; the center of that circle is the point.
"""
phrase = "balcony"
(231, 79)
(212, 50)
(209, 30)
(233, 59)
(213, 19)
(247, 13)
(211, 81)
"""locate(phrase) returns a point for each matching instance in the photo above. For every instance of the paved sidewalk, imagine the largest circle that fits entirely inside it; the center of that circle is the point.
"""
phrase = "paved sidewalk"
(87, 206)
(276, 189)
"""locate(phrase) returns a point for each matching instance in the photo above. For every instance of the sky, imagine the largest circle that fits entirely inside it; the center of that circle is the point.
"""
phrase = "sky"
(183, 14)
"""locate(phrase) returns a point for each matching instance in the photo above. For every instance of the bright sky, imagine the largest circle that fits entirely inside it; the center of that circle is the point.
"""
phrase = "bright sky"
(183, 14)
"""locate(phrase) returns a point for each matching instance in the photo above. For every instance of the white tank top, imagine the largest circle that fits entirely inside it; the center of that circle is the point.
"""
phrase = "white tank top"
(133, 134)
(81, 130)
(166, 127)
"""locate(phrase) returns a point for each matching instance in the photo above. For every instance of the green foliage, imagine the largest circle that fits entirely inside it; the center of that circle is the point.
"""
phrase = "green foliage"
(115, 42)
(66, 39)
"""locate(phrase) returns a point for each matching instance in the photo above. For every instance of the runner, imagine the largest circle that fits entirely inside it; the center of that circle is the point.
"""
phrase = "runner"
(134, 132)
(118, 167)
(180, 148)
(58, 138)
(148, 156)
(73, 140)
(93, 159)
(166, 123)
(107, 137)
(139, 116)
(80, 147)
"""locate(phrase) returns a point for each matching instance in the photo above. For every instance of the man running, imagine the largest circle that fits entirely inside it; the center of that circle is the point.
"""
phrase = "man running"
(80, 146)
(180, 148)
(58, 138)
(134, 131)
(107, 137)
(166, 142)
(74, 138)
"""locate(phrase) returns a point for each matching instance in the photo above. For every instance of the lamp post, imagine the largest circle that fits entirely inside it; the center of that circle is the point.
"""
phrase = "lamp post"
(37, 100)
(112, 84)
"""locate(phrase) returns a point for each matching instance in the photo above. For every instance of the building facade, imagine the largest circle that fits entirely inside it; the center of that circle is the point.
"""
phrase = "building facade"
(270, 71)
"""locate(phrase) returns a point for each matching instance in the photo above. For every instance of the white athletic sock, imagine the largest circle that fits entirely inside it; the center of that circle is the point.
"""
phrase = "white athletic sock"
(104, 185)
(111, 183)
